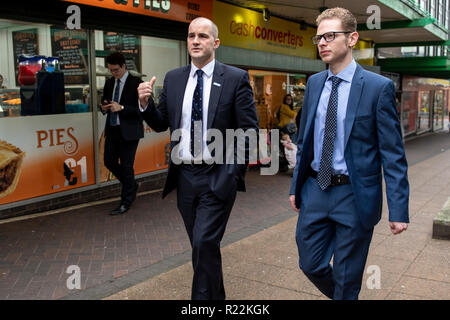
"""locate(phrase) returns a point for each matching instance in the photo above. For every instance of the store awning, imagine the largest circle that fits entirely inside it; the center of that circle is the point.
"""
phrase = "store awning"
(434, 67)
(400, 21)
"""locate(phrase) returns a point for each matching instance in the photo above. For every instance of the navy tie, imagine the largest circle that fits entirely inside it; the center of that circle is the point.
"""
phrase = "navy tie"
(325, 168)
(113, 116)
(197, 115)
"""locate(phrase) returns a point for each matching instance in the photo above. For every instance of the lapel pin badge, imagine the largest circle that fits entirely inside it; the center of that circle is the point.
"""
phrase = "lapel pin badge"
(217, 84)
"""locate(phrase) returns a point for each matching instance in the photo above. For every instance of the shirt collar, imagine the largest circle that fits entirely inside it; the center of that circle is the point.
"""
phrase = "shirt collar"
(124, 77)
(346, 74)
(208, 69)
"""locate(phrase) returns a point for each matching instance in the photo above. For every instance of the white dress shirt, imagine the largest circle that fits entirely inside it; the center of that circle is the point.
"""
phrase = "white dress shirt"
(185, 141)
(185, 153)
(338, 162)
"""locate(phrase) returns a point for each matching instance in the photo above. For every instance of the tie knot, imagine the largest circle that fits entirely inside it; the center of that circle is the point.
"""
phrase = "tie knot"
(335, 81)
(199, 73)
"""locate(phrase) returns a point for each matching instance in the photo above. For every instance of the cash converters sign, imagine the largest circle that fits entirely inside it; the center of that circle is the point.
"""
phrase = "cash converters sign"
(179, 10)
(244, 28)
(267, 34)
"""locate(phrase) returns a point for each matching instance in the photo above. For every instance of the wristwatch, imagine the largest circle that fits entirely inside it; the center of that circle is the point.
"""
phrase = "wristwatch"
(121, 108)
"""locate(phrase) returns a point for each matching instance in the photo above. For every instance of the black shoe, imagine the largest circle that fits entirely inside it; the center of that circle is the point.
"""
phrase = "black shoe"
(120, 210)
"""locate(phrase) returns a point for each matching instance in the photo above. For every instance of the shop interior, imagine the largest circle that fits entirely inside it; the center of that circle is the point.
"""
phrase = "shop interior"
(44, 69)
(269, 90)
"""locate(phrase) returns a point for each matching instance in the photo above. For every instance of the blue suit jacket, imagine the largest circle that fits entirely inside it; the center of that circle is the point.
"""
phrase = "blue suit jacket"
(231, 106)
(372, 140)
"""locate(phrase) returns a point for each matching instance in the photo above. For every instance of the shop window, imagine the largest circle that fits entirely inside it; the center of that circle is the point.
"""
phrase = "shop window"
(409, 112)
(44, 70)
(438, 110)
(145, 57)
(424, 112)
(45, 116)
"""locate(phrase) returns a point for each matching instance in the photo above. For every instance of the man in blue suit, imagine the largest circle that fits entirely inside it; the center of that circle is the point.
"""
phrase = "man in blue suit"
(218, 97)
(348, 132)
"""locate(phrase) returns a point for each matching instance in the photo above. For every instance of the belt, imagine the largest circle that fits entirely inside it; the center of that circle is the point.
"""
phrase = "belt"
(197, 165)
(336, 179)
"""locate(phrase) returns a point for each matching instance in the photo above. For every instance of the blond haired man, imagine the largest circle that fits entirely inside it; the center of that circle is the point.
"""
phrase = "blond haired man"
(348, 132)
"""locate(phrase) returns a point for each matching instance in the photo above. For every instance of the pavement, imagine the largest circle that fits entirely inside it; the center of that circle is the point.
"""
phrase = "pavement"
(145, 254)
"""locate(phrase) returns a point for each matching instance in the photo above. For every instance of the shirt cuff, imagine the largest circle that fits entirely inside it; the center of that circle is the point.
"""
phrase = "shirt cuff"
(140, 107)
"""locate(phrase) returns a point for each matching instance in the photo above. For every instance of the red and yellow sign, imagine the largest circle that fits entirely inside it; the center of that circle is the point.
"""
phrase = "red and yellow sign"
(244, 28)
(179, 10)
(57, 153)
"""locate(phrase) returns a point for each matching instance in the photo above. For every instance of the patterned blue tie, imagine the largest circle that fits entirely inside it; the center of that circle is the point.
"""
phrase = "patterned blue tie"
(197, 114)
(113, 115)
(325, 168)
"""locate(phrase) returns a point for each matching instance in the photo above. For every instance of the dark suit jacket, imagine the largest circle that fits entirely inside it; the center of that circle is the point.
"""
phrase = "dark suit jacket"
(130, 117)
(231, 106)
(372, 140)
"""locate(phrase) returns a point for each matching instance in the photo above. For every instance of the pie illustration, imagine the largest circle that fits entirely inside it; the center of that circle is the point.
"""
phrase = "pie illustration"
(11, 159)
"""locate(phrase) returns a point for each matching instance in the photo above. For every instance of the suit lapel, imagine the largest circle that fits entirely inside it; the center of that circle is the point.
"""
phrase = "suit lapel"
(180, 89)
(316, 92)
(216, 88)
(353, 102)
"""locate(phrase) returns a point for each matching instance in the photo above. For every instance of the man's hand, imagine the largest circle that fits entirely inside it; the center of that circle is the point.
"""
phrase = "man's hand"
(292, 200)
(105, 106)
(398, 227)
(145, 90)
(113, 106)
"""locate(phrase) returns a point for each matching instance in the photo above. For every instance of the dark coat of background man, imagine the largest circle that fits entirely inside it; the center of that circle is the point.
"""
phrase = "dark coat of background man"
(123, 127)
(349, 130)
(205, 193)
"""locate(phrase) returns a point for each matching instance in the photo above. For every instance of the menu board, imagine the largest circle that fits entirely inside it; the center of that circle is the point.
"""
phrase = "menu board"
(68, 46)
(24, 42)
(128, 45)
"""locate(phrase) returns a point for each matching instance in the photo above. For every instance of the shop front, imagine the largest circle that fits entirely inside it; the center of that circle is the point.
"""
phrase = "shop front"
(425, 104)
(51, 129)
(278, 55)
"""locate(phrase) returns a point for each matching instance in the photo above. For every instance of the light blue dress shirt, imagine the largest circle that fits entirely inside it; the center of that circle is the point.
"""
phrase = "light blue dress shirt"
(338, 163)
(122, 84)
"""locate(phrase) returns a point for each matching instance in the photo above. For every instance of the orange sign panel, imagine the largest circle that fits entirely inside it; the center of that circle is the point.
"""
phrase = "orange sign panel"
(179, 10)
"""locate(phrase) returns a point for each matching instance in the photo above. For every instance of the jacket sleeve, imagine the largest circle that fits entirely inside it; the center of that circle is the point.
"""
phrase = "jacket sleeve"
(393, 156)
(157, 116)
(131, 107)
(246, 117)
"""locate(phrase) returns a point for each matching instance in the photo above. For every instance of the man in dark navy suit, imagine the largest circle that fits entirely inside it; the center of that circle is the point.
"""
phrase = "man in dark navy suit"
(123, 127)
(202, 97)
(349, 130)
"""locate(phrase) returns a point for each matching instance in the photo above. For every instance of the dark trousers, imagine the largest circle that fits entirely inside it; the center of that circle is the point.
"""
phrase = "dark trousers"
(119, 159)
(205, 217)
(329, 226)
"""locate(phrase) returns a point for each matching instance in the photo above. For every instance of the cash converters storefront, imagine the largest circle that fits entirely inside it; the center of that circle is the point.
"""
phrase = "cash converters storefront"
(51, 130)
(278, 54)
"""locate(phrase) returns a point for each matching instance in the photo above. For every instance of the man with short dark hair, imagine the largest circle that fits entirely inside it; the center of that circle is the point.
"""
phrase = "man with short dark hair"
(349, 130)
(123, 127)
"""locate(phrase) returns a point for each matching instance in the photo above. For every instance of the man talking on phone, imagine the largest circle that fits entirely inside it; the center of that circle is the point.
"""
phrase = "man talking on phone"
(123, 127)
